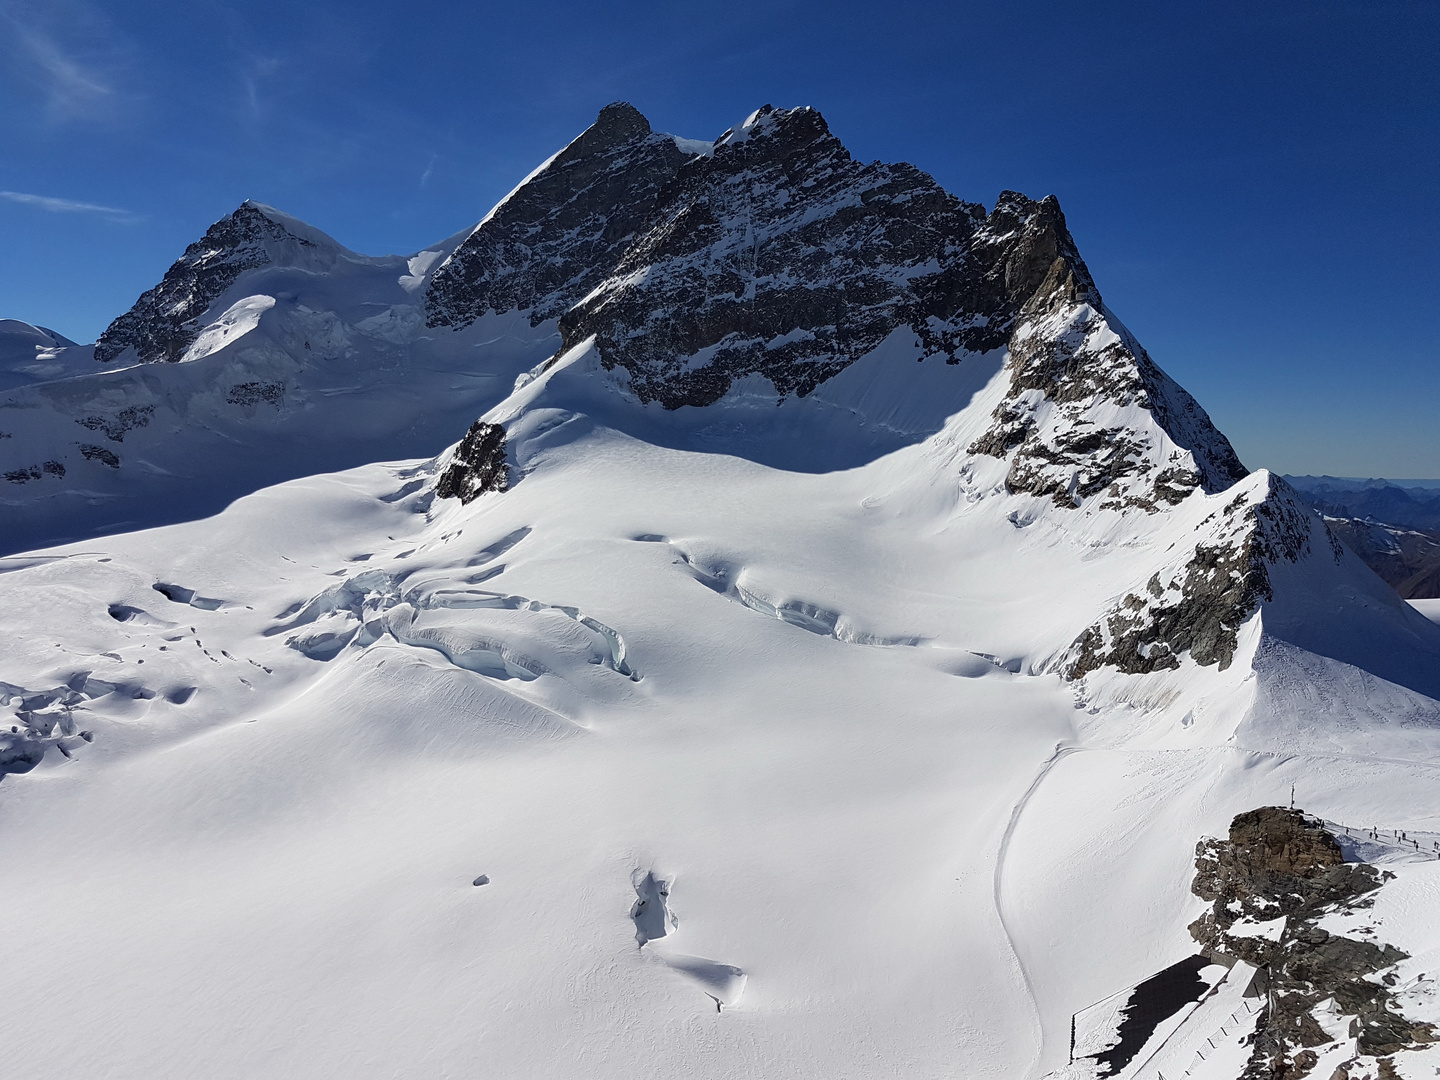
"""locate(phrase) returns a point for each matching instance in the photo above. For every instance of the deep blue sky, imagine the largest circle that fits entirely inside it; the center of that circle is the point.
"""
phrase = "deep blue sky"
(1256, 187)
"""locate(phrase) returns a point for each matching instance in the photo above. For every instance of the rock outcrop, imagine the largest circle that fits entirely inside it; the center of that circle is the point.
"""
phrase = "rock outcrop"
(1078, 383)
(478, 465)
(1198, 604)
(561, 231)
(1278, 864)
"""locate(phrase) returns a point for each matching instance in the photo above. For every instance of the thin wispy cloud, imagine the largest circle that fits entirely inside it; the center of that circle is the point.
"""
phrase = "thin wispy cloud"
(429, 171)
(262, 82)
(71, 54)
(66, 206)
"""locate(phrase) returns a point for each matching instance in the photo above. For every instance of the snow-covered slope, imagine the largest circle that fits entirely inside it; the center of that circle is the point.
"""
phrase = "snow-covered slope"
(696, 713)
(31, 354)
(267, 352)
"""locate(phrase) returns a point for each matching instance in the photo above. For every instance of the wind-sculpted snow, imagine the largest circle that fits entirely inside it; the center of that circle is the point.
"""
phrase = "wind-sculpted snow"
(872, 854)
(31, 354)
(729, 580)
(46, 719)
(370, 605)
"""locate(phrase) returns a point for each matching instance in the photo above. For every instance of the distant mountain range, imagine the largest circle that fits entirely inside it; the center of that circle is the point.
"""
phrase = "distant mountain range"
(1394, 525)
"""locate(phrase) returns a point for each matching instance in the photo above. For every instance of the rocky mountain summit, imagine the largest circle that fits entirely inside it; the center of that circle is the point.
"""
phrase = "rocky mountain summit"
(807, 540)
(773, 253)
(165, 321)
(710, 283)
(1272, 881)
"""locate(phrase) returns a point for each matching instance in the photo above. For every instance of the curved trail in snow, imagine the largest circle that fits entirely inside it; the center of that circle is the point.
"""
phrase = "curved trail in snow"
(1061, 751)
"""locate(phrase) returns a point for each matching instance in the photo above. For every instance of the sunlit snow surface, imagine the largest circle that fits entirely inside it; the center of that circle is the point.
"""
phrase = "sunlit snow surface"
(768, 773)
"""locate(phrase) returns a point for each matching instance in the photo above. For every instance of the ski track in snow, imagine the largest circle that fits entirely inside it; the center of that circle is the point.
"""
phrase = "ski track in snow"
(1011, 939)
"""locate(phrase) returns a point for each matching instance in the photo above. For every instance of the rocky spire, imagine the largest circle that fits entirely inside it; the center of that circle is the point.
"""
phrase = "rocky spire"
(555, 237)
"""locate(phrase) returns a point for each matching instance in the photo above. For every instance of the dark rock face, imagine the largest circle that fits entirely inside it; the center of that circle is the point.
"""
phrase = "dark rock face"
(477, 466)
(778, 254)
(114, 427)
(98, 453)
(1279, 863)
(554, 239)
(252, 393)
(35, 472)
(1065, 366)
(162, 324)
(1200, 606)
(774, 253)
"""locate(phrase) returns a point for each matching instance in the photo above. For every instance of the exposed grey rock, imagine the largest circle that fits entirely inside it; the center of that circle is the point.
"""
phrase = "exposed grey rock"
(778, 254)
(1066, 358)
(35, 472)
(777, 233)
(164, 321)
(1279, 863)
(1200, 604)
(99, 453)
(115, 427)
(477, 466)
(252, 393)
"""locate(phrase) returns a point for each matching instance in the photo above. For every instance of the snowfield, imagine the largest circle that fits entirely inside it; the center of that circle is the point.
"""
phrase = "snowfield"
(865, 730)
(836, 743)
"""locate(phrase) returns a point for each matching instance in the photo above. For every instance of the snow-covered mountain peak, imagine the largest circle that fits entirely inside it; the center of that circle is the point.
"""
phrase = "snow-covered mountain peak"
(31, 354)
(774, 262)
(796, 124)
(268, 351)
(166, 319)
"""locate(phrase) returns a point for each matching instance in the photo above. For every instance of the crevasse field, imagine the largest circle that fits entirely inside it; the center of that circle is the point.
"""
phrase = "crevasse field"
(808, 702)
